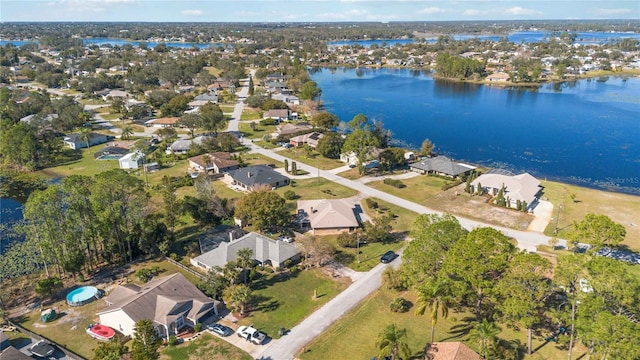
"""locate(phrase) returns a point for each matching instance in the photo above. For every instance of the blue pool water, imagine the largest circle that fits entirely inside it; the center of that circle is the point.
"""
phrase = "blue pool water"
(81, 296)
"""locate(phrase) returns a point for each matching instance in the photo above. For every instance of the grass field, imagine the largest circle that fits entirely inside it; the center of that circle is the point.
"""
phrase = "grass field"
(206, 347)
(403, 220)
(285, 300)
(419, 189)
(250, 114)
(259, 132)
(622, 208)
(354, 335)
(227, 109)
(314, 159)
(351, 174)
(87, 165)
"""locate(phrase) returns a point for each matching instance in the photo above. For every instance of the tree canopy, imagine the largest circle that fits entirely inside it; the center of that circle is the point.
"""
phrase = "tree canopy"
(264, 209)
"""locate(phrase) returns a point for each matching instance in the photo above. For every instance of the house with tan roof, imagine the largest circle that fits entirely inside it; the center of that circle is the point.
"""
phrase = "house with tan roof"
(290, 129)
(265, 251)
(327, 216)
(278, 114)
(218, 163)
(454, 350)
(310, 139)
(522, 187)
(170, 302)
(163, 122)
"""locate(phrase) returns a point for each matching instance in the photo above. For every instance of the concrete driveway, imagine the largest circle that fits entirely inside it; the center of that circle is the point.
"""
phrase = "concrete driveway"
(542, 216)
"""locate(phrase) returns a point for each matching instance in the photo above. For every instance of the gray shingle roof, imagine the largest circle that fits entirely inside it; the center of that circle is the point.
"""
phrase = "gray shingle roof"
(263, 249)
(441, 164)
(257, 175)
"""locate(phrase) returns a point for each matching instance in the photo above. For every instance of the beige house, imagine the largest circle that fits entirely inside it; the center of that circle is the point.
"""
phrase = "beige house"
(289, 129)
(498, 77)
(454, 350)
(170, 302)
(522, 187)
(310, 139)
(326, 217)
(163, 122)
(219, 162)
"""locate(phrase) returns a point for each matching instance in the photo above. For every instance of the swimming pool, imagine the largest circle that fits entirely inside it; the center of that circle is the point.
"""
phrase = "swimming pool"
(82, 295)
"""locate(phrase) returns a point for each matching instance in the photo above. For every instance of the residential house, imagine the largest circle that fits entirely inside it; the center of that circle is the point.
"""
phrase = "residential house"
(278, 114)
(275, 77)
(498, 77)
(182, 146)
(163, 122)
(275, 86)
(522, 187)
(441, 165)
(286, 98)
(310, 139)
(77, 141)
(170, 302)
(454, 350)
(131, 160)
(265, 251)
(371, 159)
(210, 96)
(110, 153)
(49, 118)
(256, 177)
(11, 353)
(327, 216)
(289, 129)
(219, 162)
(4, 341)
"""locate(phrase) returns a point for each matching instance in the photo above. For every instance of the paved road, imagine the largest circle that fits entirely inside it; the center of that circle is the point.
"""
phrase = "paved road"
(237, 110)
(289, 345)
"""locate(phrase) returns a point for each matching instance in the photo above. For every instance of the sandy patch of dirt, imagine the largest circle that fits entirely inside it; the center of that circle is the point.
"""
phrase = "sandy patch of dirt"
(457, 202)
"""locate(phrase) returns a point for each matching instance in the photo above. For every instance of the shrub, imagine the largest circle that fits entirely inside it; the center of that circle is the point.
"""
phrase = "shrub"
(290, 195)
(347, 240)
(144, 275)
(395, 183)
(371, 204)
(267, 122)
(399, 305)
(198, 327)
(173, 340)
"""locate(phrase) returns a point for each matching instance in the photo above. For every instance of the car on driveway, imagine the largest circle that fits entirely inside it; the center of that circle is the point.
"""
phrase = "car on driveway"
(250, 334)
(388, 257)
(220, 329)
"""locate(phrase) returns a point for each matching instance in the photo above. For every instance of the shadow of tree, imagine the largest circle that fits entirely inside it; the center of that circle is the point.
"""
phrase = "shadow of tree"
(462, 328)
(268, 281)
(264, 303)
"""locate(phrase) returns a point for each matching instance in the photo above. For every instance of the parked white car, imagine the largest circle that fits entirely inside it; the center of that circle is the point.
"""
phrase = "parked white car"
(250, 334)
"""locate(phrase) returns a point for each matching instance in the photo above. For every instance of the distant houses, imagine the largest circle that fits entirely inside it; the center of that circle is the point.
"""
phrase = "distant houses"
(310, 139)
(290, 129)
(183, 146)
(163, 122)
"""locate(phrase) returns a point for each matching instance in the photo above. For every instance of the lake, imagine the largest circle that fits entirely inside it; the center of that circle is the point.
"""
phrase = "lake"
(122, 42)
(585, 132)
(515, 37)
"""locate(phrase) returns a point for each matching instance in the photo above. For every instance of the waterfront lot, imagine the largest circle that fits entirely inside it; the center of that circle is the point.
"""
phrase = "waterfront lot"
(312, 158)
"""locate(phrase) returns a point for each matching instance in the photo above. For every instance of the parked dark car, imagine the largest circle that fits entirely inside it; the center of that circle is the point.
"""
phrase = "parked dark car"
(220, 329)
(388, 257)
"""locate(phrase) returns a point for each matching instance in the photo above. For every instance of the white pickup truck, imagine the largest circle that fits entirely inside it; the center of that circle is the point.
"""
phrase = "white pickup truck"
(251, 334)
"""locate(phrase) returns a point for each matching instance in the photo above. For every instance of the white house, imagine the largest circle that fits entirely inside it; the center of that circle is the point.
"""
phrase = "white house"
(131, 160)
(522, 187)
(170, 302)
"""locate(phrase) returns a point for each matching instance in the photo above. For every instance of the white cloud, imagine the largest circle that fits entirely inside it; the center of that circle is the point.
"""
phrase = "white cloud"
(612, 12)
(192, 12)
(474, 12)
(517, 10)
(431, 10)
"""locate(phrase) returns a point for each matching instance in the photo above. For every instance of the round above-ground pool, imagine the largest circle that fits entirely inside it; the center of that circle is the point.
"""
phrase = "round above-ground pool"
(82, 295)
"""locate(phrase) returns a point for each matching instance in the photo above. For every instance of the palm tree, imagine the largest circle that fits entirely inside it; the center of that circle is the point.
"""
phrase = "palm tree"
(432, 296)
(392, 343)
(244, 260)
(85, 134)
(485, 334)
(127, 131)
(236, 297)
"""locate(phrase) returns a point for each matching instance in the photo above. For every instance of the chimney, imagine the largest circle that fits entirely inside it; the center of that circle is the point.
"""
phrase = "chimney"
(312, 210)
(231, 236)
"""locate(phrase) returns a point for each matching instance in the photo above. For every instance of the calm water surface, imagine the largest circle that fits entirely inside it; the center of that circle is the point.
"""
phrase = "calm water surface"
(586, 132)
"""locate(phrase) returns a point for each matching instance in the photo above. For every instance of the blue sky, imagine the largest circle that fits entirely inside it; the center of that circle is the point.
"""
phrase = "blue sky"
(313, 10)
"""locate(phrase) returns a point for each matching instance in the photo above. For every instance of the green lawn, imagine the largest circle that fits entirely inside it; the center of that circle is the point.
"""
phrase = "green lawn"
(259, 132)
(354, 335)
(265, 144)
(314, 158)
(318, 188)
(621, 208)
(227, 108)
(86, 165)
(259, 159)
(420, 189)
(250, 114)
(206, 347)
(351, 174)
(284, 301)
(403, 219)
(369, 253)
